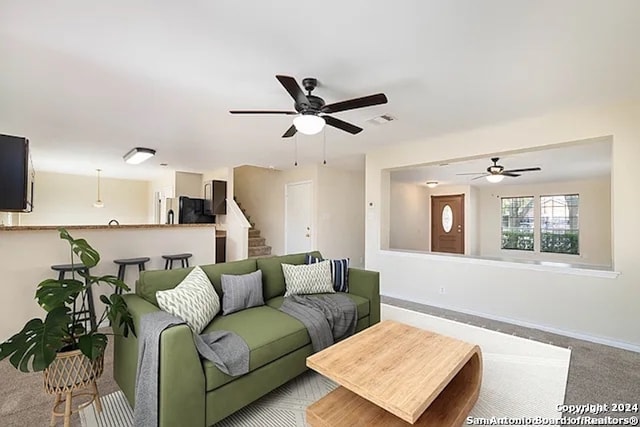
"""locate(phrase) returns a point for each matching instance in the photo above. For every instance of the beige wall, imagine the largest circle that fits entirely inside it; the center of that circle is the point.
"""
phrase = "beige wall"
(588, 305)
(337, 206)
(62, 199)
(409, 207)
(189, 184)
(594, 219)
(341, 214)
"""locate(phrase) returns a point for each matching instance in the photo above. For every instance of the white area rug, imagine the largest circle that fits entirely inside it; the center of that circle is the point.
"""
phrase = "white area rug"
(521, 378)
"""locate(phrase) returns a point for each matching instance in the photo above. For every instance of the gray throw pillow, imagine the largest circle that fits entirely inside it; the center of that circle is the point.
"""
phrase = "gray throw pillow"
(241, 291)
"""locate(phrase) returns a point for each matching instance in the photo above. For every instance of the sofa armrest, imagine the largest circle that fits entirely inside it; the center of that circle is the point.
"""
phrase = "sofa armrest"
(181, 396)
(366, 283)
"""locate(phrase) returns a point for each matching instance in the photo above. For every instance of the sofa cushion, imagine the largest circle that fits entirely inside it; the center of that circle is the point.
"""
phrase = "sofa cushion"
(194, 300)
(307, 279)
(272, 276)
(361, 303)
(339, 271)
(269, 333)
(241, 291)
(153, 281)
(215, 271)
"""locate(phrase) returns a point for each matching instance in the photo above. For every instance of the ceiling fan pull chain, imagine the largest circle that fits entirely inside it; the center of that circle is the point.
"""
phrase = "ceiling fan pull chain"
(324, 146)
(296, 151)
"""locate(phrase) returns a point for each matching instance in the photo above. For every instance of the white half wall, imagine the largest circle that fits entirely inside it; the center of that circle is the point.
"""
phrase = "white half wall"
(602, 308)
(27, 257)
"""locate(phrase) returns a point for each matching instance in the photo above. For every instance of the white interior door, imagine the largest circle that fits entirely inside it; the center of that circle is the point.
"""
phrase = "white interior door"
(298, 233)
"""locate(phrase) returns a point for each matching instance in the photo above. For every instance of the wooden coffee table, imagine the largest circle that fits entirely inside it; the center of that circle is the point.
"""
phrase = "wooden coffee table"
(394, 374)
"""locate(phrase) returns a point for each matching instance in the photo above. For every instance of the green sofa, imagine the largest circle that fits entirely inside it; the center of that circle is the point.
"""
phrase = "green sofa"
(194, 392)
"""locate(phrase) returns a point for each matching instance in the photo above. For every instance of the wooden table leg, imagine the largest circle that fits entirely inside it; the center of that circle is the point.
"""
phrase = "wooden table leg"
(53, 411)
(97, 397)
(67, 409)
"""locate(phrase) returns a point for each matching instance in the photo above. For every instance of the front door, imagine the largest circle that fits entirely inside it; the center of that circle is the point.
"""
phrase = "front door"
(447, 224)
(298, 210)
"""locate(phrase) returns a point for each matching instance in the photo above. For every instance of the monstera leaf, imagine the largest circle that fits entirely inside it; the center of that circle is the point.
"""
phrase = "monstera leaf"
(112, 280)
(93, 345)
(53, 293)
(89, 256)
(118, 313)
(36, 344)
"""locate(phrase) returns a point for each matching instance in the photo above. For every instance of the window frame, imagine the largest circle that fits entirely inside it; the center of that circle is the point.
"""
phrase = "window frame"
(577, 230)
(533, 227)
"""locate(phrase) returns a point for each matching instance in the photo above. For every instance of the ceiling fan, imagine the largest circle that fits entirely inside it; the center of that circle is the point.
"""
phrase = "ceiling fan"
(312, 112)
(496, 173)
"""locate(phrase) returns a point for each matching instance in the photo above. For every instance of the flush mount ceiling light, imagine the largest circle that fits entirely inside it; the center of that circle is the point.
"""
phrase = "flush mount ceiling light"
(432, 184)
(98, 203)
(494, 179)
(308, 124)
(138, 155)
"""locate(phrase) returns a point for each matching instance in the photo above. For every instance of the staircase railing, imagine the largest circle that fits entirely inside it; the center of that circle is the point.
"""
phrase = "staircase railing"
(237, 228)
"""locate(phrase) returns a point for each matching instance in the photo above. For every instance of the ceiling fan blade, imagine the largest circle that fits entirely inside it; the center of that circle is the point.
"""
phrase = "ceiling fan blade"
(290, 132)
(472, 173)
(523, 170)
(510, 174)
(289, 113)
(481, 176)
(365, 101)
(342, 125)
(294, 89)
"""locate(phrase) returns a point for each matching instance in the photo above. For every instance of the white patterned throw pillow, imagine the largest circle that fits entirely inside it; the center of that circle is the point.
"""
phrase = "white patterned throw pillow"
(194, 300)
(307, 279)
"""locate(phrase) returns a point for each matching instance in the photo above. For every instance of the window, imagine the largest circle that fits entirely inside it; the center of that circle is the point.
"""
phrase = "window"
(517, 223)
(559, 224)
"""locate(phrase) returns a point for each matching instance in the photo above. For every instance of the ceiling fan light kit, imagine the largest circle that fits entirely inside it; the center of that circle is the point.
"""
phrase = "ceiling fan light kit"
(432, 184)
(138, 155)
(309, 124)
(494, 179)
(312, 112)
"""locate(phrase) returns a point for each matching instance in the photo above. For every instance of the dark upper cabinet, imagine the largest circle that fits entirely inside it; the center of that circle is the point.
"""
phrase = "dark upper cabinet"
(215, 197)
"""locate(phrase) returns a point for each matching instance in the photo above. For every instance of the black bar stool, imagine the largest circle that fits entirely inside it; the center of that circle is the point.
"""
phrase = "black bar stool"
(88, 315)
(183, 258)
(122, 266)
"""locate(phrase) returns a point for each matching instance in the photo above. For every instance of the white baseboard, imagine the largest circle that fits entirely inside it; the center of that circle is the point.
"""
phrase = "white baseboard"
(572, 334)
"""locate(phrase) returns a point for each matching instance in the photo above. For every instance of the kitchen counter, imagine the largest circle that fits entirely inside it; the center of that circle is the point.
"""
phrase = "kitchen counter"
(102, 227)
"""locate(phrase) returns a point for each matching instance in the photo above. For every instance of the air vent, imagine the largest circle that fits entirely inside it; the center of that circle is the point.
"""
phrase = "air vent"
(383, 119)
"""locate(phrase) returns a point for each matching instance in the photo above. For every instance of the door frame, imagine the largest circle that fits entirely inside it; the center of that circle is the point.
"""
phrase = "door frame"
(313, 216)
(464, 220)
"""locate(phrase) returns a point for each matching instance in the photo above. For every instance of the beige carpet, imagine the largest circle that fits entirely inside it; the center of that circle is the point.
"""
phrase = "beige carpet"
(23, 402)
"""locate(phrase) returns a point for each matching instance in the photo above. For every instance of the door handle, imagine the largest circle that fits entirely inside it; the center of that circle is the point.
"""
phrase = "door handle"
(307, 235)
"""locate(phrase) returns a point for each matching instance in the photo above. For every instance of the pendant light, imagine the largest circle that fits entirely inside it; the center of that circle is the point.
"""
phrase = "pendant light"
(98, 203)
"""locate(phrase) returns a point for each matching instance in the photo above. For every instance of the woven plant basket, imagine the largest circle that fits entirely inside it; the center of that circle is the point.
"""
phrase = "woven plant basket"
(72, 370)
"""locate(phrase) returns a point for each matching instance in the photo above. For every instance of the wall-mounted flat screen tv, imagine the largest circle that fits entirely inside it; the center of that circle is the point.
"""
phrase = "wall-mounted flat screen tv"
(16, 187)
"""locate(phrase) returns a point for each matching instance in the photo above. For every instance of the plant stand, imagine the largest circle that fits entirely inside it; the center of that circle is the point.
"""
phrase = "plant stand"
(72, 375)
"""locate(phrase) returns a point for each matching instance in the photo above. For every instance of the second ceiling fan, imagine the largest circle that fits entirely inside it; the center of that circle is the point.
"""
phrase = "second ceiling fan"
(312, 112)
(496, 173)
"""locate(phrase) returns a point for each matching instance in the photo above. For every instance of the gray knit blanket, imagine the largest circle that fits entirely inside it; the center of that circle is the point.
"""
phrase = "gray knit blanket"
(226, 350)
(328, 318)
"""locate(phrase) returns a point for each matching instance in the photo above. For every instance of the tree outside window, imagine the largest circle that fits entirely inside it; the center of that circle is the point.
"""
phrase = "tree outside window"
(517, 223)
(559, 224)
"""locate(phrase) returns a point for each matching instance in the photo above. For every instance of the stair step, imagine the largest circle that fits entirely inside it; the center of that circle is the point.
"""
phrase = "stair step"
(253, 232)
(256, 241)
(259, 250)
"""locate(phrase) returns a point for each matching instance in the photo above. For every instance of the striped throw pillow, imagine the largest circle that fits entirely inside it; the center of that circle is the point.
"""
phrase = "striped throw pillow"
(339, 271)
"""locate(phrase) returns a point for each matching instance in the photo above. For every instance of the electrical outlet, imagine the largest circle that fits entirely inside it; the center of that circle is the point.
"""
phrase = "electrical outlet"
(442, 290)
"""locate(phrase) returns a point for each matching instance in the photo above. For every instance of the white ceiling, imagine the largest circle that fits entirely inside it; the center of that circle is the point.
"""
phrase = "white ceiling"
(87, 81)
(566, 162)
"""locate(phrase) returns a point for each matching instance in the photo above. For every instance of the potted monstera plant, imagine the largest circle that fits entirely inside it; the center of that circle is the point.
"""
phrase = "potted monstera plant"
(70, 353)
